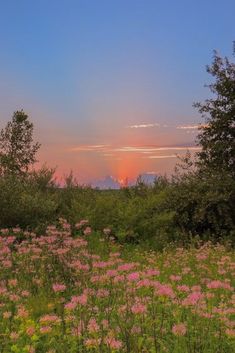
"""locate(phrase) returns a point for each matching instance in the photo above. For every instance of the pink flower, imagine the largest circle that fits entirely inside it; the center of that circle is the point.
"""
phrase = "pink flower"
(76, 331)
(83, 222)
(112, 273)
(87, 231)
(13, 282)
(105, 323)
(14, 297)
(118, 279)
(179, 329)
(196, 288)
(101, 264)
(138, 308)
(135, 329)
(192, 299)
(230, 332)
(71, 305)
(22, 312)
(2, 290)
(134, 276)
(25, 293)
(82, 299)
(4, 231)
(14, 335)
(30, 331)
(186, 270)
(93, 326)
(165, 291)
(45, 329)
(92, 342)
(126, 267)
(66, 225)
(7, 314)
(102, 293)
(218, 285)
(113, 343)
(51, 318)
(152, 272)
(57, 287)
(144, 283)
(7, 263)
(201, 257)
(183, 288)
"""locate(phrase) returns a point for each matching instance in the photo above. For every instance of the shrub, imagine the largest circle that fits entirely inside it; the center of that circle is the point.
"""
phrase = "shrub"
(25, 203)
(204, 204)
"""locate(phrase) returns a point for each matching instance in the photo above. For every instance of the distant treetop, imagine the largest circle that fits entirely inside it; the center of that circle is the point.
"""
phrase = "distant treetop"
(17, 149)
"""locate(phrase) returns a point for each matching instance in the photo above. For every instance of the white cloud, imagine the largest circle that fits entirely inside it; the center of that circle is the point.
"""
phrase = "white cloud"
(143, 125)
(187, 127)
(191, 127)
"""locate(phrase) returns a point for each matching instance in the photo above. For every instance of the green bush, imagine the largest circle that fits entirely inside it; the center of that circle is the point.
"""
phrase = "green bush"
(204, 205)
(24, 203)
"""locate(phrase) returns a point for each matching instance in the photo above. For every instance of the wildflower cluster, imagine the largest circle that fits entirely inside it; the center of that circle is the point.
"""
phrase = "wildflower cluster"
(62, 293)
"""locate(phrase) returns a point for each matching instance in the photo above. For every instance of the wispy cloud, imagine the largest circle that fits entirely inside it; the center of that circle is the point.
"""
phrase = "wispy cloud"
(85, 148)
(187, 127)
(145, 149)
(143, 125)
(191, 127)
(163, 157)
(109, 151)
(179, 127)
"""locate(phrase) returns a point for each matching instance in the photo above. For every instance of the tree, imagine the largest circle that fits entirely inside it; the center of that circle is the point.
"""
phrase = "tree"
(17, 150)
(217, 136)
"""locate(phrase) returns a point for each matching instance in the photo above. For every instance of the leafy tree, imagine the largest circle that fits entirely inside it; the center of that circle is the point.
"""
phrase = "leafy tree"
(217, 136)
(17, 150)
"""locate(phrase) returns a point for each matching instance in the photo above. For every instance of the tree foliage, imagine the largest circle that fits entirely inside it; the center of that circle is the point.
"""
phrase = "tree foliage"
(17, 150)
(217, 136)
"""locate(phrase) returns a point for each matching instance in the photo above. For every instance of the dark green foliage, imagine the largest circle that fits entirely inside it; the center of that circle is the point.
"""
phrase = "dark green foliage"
(204, 205)
(26, 202)
(17, 150)
(177, 211)
(134, 214)
(202, 194)
(217, 136)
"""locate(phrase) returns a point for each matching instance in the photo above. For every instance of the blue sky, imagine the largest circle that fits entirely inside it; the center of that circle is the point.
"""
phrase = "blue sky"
(86, 71)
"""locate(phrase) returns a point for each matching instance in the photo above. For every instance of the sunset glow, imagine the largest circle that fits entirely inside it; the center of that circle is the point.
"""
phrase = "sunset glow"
(109, 85)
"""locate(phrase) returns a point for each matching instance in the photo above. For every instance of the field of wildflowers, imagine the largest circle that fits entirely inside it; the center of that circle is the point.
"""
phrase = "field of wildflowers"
(84, 293)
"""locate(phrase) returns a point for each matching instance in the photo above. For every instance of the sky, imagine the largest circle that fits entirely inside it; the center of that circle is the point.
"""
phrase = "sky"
(109, 85)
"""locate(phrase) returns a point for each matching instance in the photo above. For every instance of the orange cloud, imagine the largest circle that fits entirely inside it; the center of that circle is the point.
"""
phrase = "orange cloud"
(92, 148)
(162, 157)
(145, 149)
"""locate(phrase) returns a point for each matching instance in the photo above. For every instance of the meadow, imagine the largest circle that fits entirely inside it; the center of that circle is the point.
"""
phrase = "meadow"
(73, 290)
